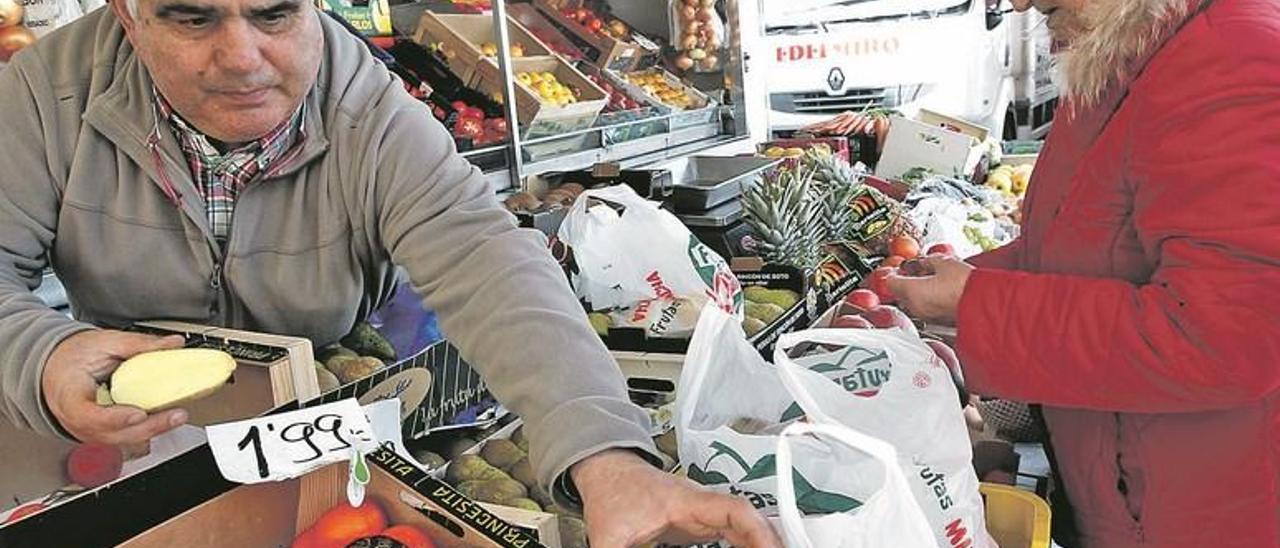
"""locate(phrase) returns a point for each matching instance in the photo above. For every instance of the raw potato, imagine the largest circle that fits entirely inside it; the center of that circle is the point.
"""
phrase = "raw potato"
(522, 472)
(472, 468)
(159, 380)
(501, 454)
(349, 370)
(500, 491)
(327, 380)
(335, 349)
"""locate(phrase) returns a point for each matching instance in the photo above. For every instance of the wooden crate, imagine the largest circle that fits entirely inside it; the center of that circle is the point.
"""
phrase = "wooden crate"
(461, 37)
(609, 52)
(536, 117)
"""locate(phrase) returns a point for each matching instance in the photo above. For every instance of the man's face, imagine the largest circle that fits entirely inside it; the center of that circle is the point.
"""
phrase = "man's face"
(233, 68)
(1065, 18)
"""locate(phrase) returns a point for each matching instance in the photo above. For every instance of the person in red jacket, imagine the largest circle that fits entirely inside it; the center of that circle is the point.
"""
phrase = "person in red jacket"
(1141, 305)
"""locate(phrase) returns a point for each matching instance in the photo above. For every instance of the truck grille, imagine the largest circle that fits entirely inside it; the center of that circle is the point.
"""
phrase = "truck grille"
(823, 103)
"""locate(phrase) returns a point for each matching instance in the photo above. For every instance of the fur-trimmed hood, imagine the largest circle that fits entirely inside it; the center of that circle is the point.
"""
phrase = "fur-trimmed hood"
(1119, 33)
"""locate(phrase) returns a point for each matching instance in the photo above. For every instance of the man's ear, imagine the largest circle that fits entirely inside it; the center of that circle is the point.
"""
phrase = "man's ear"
(121, 9)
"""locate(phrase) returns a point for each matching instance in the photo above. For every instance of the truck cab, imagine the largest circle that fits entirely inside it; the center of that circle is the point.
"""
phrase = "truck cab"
(972, 59)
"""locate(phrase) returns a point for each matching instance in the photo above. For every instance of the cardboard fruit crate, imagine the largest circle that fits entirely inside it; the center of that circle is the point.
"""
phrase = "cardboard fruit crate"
(273, 514)
(539, 119)
(461, 37)
(601, 50)
(543, 29)
(700, 111)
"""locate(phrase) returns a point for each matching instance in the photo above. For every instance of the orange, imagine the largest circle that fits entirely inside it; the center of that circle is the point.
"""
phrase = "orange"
(904, 246)
(344, 524)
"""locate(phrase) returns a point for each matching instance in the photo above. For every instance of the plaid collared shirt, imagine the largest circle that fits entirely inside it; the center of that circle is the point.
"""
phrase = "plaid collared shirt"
(221, 176)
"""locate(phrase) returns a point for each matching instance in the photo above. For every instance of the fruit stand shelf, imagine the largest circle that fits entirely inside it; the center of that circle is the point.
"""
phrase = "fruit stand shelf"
(583, 149)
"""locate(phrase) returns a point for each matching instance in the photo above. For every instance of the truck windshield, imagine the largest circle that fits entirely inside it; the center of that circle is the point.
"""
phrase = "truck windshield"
(807, 16)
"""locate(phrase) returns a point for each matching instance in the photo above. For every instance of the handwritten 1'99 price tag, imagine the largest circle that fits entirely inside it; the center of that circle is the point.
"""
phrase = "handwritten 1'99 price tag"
(288, 445)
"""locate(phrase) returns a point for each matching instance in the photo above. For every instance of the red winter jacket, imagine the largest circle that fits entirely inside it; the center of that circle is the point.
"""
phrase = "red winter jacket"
(1141, 306)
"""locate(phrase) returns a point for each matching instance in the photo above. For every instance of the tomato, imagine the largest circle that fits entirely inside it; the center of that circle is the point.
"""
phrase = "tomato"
(905, 247)
(878, 282)
(344, 524)
(458, 105)
(864, 299)
(595, 25)
(468, 128)
(471, 112)
(498, 125)
(410, 536)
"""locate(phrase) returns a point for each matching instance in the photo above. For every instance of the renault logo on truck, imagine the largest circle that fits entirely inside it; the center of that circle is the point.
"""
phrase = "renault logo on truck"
(836, 79)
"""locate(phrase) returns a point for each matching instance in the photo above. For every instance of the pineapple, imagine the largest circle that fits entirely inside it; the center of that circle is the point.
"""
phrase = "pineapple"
(836, 183)
(785, 218)
(830, 169)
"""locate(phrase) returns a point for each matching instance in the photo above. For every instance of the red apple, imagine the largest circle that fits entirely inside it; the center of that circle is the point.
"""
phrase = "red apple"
(864, 299)
(886, 317)
(24, 511)
(941, 249)
(849, 321)
(92, 464)
(878, 283)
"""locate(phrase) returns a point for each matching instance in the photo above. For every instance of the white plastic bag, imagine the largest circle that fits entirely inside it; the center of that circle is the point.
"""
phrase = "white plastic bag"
(915, 411)
(729, 409)
(643, 261)
(888, 517)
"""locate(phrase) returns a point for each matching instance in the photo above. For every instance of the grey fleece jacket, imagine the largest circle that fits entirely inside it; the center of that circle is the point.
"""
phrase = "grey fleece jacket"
(312, 246)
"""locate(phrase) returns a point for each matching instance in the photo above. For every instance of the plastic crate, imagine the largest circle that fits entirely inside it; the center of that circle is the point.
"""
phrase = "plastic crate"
(1016, 518)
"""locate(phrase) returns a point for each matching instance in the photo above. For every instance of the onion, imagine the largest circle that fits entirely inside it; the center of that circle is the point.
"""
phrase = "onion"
(705, 14)
(697, 54)
(683, 62)
(710, 62)
(688, 13)
(688, 42)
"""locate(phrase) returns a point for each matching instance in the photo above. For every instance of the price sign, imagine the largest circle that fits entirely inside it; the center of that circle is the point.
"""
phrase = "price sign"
(289, 445)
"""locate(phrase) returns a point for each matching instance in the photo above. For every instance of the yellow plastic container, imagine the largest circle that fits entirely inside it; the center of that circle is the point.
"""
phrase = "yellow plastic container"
(1016, 518)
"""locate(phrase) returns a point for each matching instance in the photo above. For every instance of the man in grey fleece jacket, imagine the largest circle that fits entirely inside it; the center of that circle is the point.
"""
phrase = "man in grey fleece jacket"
(131, 136)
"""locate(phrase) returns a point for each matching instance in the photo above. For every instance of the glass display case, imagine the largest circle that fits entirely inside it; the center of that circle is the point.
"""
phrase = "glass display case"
(586, 82)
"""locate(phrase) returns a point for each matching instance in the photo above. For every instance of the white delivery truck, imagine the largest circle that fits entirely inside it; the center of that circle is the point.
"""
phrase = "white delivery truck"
(972, 59)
